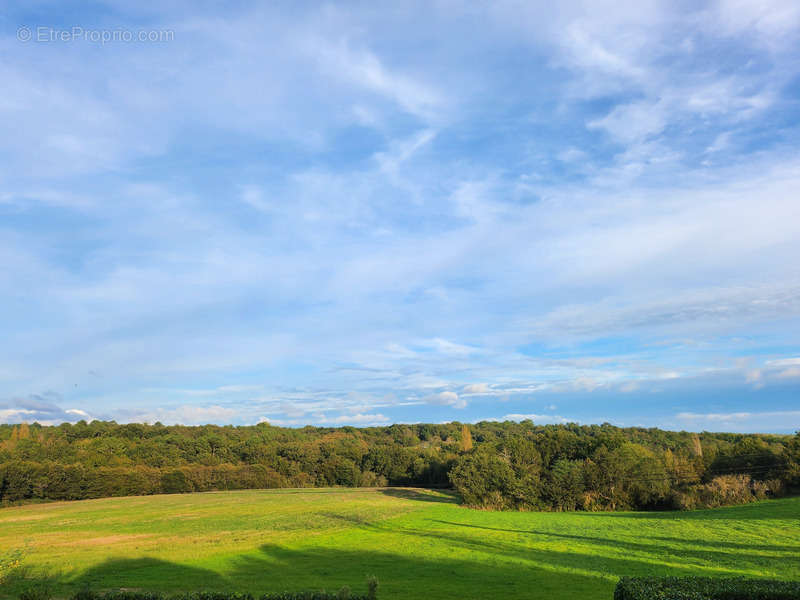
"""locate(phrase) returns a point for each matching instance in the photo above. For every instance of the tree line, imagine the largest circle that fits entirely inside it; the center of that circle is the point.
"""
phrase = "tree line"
(505, 465)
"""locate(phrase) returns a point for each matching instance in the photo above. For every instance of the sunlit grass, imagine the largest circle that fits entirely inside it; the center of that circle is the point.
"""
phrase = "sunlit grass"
(418, 544)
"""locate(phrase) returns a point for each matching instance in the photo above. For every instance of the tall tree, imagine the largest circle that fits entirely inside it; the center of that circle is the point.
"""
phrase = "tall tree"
(466, 438)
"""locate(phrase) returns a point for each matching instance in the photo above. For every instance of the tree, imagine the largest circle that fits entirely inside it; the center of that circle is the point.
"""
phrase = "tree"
(697, 447)
(565, 486)
(466, 438)
(483, 479)
(493, 464)
(792, 454)
(175, 482)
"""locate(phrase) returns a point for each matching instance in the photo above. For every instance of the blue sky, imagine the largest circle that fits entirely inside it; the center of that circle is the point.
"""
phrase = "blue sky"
(361, 214)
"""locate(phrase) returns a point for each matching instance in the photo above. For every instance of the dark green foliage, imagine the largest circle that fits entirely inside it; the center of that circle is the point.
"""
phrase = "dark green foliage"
(175, 482)
(342, 594)
(511, 465)
(565, 484)
(606, 468)
(40, 590)
(704, 588)
(792, 458)
(372, 588)
(484, 479)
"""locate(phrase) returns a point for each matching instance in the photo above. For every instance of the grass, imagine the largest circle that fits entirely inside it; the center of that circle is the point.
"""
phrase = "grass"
(420, 544)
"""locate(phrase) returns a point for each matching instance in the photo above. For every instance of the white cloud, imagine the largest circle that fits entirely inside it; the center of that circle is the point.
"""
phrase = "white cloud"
(361, 419)
(740, 416)
(79, 413)
(536, 418)
(772, 19)
(632, 122)
(14, 415)
(755, 377)
(572, 155)
(784, 362)
(423, 255)
(292, 410)
(790, 373)
(253, 196)
(742, 421)
(189, 415)
(721, 142)
(390, 161)
(357, 419)
(477, 388)
(40, 409)
(363, 68)
(448, 347)
(446, 398)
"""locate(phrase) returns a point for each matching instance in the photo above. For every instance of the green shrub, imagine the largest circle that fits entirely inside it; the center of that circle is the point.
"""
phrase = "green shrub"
(41, 590)
(342, 594)
(705, 588)
(372, 588)
(127, 595)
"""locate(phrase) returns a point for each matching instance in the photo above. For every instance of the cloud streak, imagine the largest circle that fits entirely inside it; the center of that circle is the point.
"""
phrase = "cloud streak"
(334, 216)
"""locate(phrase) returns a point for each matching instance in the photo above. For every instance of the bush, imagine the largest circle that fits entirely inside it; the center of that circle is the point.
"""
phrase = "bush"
(727, 490)
(484, 480)
(342, 594)
(41, 590)
(704, 588)
(372, 588)
(126, 595)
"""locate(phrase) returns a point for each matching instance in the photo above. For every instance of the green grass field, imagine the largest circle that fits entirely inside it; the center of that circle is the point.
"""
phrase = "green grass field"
(420, 544)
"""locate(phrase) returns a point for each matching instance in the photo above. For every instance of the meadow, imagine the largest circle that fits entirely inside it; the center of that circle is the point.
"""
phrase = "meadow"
(418, 543)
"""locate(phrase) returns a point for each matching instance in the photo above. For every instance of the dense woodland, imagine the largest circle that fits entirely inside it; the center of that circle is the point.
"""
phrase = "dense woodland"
(494, 465)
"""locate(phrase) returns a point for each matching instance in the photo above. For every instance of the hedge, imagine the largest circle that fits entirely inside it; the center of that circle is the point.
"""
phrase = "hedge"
(342, 594)
(705, 588)
(128, 595)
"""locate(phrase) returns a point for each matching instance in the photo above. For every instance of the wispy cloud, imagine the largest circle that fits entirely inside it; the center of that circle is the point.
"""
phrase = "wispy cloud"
(755, 421)
(536, 418)
(312, 215)
(40, 408)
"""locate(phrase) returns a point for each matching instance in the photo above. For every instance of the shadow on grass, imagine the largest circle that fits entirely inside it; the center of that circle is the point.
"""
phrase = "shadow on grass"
(454, 560)
(594, 556)
(780, 508)
(127, 574)
(422, 494)
(150, 574)
(275, 569)
(465, 567)
(732, 545)
(737, 556)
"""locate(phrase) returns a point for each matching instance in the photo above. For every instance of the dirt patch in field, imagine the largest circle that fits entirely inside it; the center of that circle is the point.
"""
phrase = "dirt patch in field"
(105, 540)
(23, 518)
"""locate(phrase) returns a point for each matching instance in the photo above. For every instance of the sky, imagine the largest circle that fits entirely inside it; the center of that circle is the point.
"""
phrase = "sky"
(374, 213)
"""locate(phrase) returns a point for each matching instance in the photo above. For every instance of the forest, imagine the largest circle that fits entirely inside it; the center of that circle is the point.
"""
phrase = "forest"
(500, 465)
